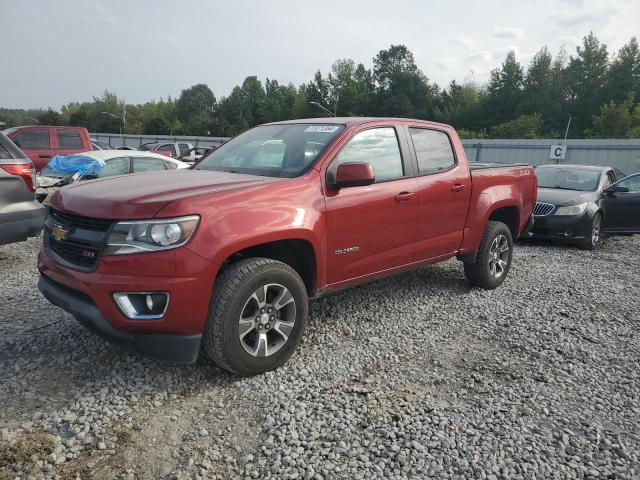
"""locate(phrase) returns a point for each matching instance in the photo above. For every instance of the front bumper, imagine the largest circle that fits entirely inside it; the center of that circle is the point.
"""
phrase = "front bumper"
(527, 232)
(563, 227)
(173, 348)
(88, 296)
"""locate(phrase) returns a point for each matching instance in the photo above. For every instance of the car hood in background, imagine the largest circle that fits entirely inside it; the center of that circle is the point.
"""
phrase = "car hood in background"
(557, 196)
(143, 195)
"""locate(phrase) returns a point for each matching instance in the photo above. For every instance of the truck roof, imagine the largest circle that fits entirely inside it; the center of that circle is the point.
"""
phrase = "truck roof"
(351, 121)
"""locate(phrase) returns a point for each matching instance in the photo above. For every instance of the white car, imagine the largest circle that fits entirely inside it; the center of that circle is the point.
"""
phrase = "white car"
(116, 162)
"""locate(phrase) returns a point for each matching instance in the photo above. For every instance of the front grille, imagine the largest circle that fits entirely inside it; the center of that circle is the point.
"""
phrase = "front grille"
(75, 253)
(76, 221)
(543, 209)
(82, 243)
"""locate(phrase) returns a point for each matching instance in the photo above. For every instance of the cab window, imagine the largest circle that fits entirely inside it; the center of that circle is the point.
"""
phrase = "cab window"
(33, 139)
(433, 150)
(378, 147)
(68, 139)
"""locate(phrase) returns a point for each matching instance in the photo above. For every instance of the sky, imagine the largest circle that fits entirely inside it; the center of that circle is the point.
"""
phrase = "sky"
(58, 51)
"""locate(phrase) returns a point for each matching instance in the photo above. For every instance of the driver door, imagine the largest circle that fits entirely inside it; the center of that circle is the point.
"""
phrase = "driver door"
(621, 206)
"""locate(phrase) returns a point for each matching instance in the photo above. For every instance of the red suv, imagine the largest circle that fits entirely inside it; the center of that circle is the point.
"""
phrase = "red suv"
(41, 142)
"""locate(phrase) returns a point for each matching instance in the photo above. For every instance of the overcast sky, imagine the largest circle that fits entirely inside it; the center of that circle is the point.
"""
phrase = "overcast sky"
(57, 51)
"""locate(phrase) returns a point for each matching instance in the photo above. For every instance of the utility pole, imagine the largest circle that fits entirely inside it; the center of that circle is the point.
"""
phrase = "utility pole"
(566, 132)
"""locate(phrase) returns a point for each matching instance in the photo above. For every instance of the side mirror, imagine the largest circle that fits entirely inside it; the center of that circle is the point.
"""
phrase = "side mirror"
(353, 175)
(615, 189)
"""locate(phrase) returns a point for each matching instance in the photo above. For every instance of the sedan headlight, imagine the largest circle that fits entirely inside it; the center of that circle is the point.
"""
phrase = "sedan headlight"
(572, 209)
(150, 235)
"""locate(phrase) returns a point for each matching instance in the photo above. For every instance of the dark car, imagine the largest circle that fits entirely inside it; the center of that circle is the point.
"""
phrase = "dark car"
(21, 216)
(572, 205)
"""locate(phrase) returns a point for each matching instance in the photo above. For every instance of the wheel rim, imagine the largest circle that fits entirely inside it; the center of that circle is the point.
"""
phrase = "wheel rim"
(266, 320)
(595, 231)
(498, 256)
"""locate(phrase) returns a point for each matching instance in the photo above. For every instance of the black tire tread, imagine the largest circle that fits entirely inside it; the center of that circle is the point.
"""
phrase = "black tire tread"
(226, 286)
(476, 273)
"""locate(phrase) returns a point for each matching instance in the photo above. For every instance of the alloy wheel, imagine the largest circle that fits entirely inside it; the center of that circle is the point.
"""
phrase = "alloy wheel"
(267, 319)
(498, 256)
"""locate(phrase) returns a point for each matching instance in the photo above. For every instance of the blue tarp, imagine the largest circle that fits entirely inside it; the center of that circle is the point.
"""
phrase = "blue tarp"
(71, 164)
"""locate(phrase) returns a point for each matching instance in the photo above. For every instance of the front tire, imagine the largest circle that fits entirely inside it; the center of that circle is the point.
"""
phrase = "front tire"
(595, 238)
(257, 316)
(493, 260)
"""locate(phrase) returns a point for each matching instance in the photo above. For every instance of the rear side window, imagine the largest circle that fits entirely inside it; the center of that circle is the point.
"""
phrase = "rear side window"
(433, 150)
(378, 147)
(184, 148)
(4, 154)
(69, 139)
(36, 139)
(115, 166)
(147, 165)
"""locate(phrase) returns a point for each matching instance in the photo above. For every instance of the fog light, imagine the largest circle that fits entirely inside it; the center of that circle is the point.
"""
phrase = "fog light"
(142, 305)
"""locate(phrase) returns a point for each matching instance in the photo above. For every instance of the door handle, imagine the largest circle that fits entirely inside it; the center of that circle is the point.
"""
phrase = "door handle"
(404, 196)
(458, 187)
(44, 156)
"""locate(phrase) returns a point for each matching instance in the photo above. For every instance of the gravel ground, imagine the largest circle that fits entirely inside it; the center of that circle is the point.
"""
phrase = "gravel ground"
(416, 376)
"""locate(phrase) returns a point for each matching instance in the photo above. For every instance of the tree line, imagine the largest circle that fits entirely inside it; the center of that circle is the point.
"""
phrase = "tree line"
(598, 90)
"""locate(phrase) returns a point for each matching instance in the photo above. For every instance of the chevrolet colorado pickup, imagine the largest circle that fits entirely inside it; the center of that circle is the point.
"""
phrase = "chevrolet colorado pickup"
(221, 259)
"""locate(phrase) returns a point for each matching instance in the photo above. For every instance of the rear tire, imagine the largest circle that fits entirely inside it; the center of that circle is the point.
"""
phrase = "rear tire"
(257, 315)
(493, 260)
(594, 240)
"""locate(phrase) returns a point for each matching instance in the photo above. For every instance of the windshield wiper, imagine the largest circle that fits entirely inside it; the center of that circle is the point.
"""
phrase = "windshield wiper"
(567, 188)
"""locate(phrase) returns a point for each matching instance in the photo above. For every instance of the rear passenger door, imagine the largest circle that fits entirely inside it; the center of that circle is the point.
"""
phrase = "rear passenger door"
(444, 192)
(621, 206)
(37, 143)
(372, 228)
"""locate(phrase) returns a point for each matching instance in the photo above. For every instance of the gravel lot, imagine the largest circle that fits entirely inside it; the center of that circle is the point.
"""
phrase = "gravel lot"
(415, 376)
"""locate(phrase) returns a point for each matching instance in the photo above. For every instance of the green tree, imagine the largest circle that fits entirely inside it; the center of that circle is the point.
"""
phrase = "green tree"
(505, 90)
(624, 74)
(156, 125)
(614, 120)
(403, 90)
(525, 126)
(587, 73)
(463, 106)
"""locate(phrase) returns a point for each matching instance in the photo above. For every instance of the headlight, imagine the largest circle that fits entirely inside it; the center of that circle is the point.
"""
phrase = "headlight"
(572, 210)
(150, 235)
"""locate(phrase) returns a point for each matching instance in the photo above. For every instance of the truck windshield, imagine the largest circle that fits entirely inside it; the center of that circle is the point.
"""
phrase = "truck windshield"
(286, 150)
(581, 180)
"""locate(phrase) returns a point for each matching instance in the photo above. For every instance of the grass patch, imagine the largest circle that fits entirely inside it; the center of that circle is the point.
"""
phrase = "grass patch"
(21, 450)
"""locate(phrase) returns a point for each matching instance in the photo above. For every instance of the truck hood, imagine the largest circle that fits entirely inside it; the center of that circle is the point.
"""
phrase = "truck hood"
(143, 195)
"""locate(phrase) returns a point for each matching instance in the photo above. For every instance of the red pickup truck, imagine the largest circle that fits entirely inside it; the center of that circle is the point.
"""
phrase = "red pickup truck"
(225, 256)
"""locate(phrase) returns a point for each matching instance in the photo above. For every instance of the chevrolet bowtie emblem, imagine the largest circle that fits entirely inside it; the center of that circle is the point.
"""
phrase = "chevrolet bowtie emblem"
(59, 233)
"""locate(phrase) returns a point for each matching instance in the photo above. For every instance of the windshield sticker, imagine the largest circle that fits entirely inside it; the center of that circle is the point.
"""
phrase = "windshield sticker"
(321, 128)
